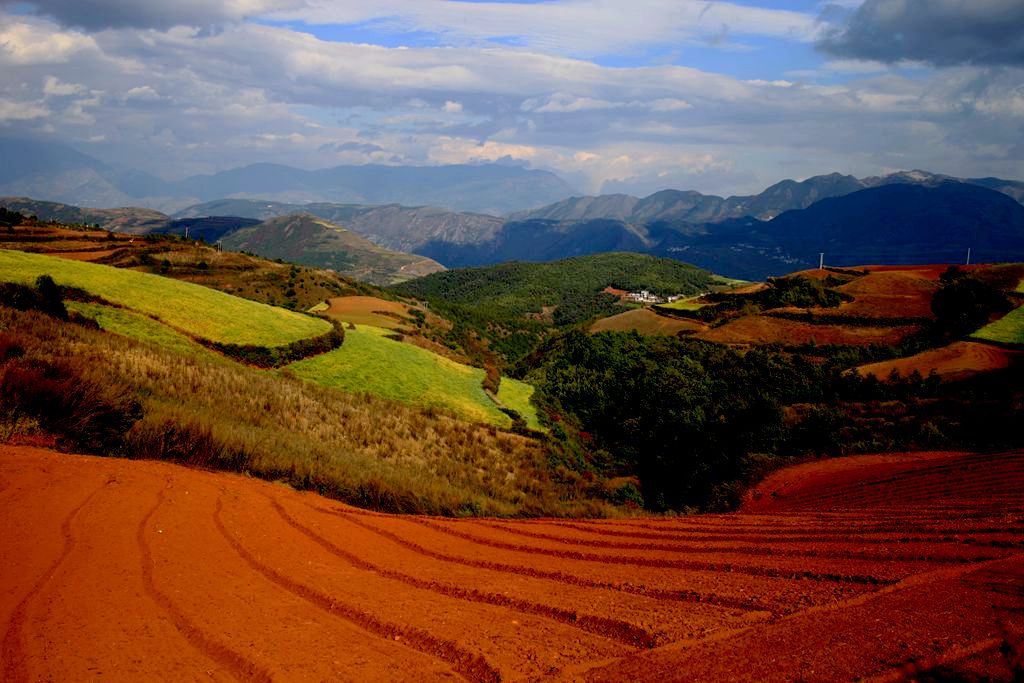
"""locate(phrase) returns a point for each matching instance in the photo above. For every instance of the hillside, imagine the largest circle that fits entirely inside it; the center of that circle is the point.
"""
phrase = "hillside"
(521, 289)
(200, 312)
(250, 277)
(403, 228)
(311, 241)
(893, 224)
(127, 219)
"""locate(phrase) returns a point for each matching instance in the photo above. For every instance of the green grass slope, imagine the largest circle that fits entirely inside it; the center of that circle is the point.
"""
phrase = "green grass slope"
(193, 309)
(369, 362)
(1007, 330)
(137, 326)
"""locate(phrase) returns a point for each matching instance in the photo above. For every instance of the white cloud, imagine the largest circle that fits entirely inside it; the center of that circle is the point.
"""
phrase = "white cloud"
(30, 41)
(21, 111)
(55, 88)
(247, 93)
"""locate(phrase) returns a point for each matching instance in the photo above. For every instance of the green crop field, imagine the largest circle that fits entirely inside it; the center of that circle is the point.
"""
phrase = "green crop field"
(1008, 330)
(369, 362)
(516, 395)
(137, 326)
(193, 309)
(689, 304)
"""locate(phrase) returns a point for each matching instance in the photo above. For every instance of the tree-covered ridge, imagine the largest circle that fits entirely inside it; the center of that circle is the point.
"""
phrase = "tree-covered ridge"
(499, 313)
(523, 288)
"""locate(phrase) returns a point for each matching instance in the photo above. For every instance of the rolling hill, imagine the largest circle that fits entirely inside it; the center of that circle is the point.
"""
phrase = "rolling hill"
(312, 241)
(198, 311)
(402, 228)
(520, 289)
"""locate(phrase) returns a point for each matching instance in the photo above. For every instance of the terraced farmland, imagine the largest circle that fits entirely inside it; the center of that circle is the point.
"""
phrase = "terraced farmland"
(193, 309)
(881, 568)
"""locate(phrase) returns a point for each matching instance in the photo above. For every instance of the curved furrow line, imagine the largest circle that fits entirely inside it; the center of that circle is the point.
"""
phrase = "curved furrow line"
(12, 651)
(809, 537)
(236, 664)
(761, 550)
(920, 492)
(727, 567)
(615, 629)
(960, 480)
(921, 669)
(679, 595)
(470, 666)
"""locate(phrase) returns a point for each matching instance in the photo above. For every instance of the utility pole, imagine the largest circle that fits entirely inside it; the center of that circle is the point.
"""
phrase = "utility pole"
(968, 256)
(186, 232)
(821, 261)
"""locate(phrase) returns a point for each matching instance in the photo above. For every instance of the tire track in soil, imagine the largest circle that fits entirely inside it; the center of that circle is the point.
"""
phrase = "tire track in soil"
(238, 665)
(677, 595)
(615, 629)
(468, 665)
(692, 565)
(12, 651)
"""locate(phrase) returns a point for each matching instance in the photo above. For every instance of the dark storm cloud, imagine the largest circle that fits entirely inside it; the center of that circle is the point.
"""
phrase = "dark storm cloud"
(940, 32)
(159, 14)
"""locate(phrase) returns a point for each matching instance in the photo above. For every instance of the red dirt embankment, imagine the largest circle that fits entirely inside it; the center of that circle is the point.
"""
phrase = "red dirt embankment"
(855, 568)
(956, 361)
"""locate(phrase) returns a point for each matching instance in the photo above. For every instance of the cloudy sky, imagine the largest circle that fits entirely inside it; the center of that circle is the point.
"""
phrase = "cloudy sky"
(615, 95)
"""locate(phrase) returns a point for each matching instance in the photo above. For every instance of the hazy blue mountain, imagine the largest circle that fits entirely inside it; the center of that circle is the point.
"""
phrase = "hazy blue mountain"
(891, 224)
(678, 207)
(895, 223)
(56, 172)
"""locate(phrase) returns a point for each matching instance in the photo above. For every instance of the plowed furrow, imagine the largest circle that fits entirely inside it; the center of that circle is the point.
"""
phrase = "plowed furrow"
(779, 568)
(1004, 537)
(868, 636)
(471, 667)
(12, 650)
(661, 619)
(741, 591)
(609, 628)
(242, 667)
(837, 547)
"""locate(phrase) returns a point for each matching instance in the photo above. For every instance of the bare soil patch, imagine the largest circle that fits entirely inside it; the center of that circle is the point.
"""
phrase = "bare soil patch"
(954, 362)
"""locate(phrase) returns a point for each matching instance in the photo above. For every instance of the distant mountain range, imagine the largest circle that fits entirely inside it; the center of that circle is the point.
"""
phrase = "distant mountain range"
(57, 172)
(677, 207)
(907, 217)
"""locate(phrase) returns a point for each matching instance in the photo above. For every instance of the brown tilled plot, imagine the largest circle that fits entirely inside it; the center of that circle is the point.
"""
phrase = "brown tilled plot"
(880, 568)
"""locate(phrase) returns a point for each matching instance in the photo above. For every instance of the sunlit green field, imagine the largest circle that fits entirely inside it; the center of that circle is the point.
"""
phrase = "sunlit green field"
(137, 326)
(192, 309)
(369, 362)
(1008, 330)
(690, 304)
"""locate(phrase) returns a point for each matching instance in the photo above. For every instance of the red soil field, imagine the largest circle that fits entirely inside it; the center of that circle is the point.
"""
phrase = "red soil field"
(878, 567)
(956, 361)
(766, 329)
